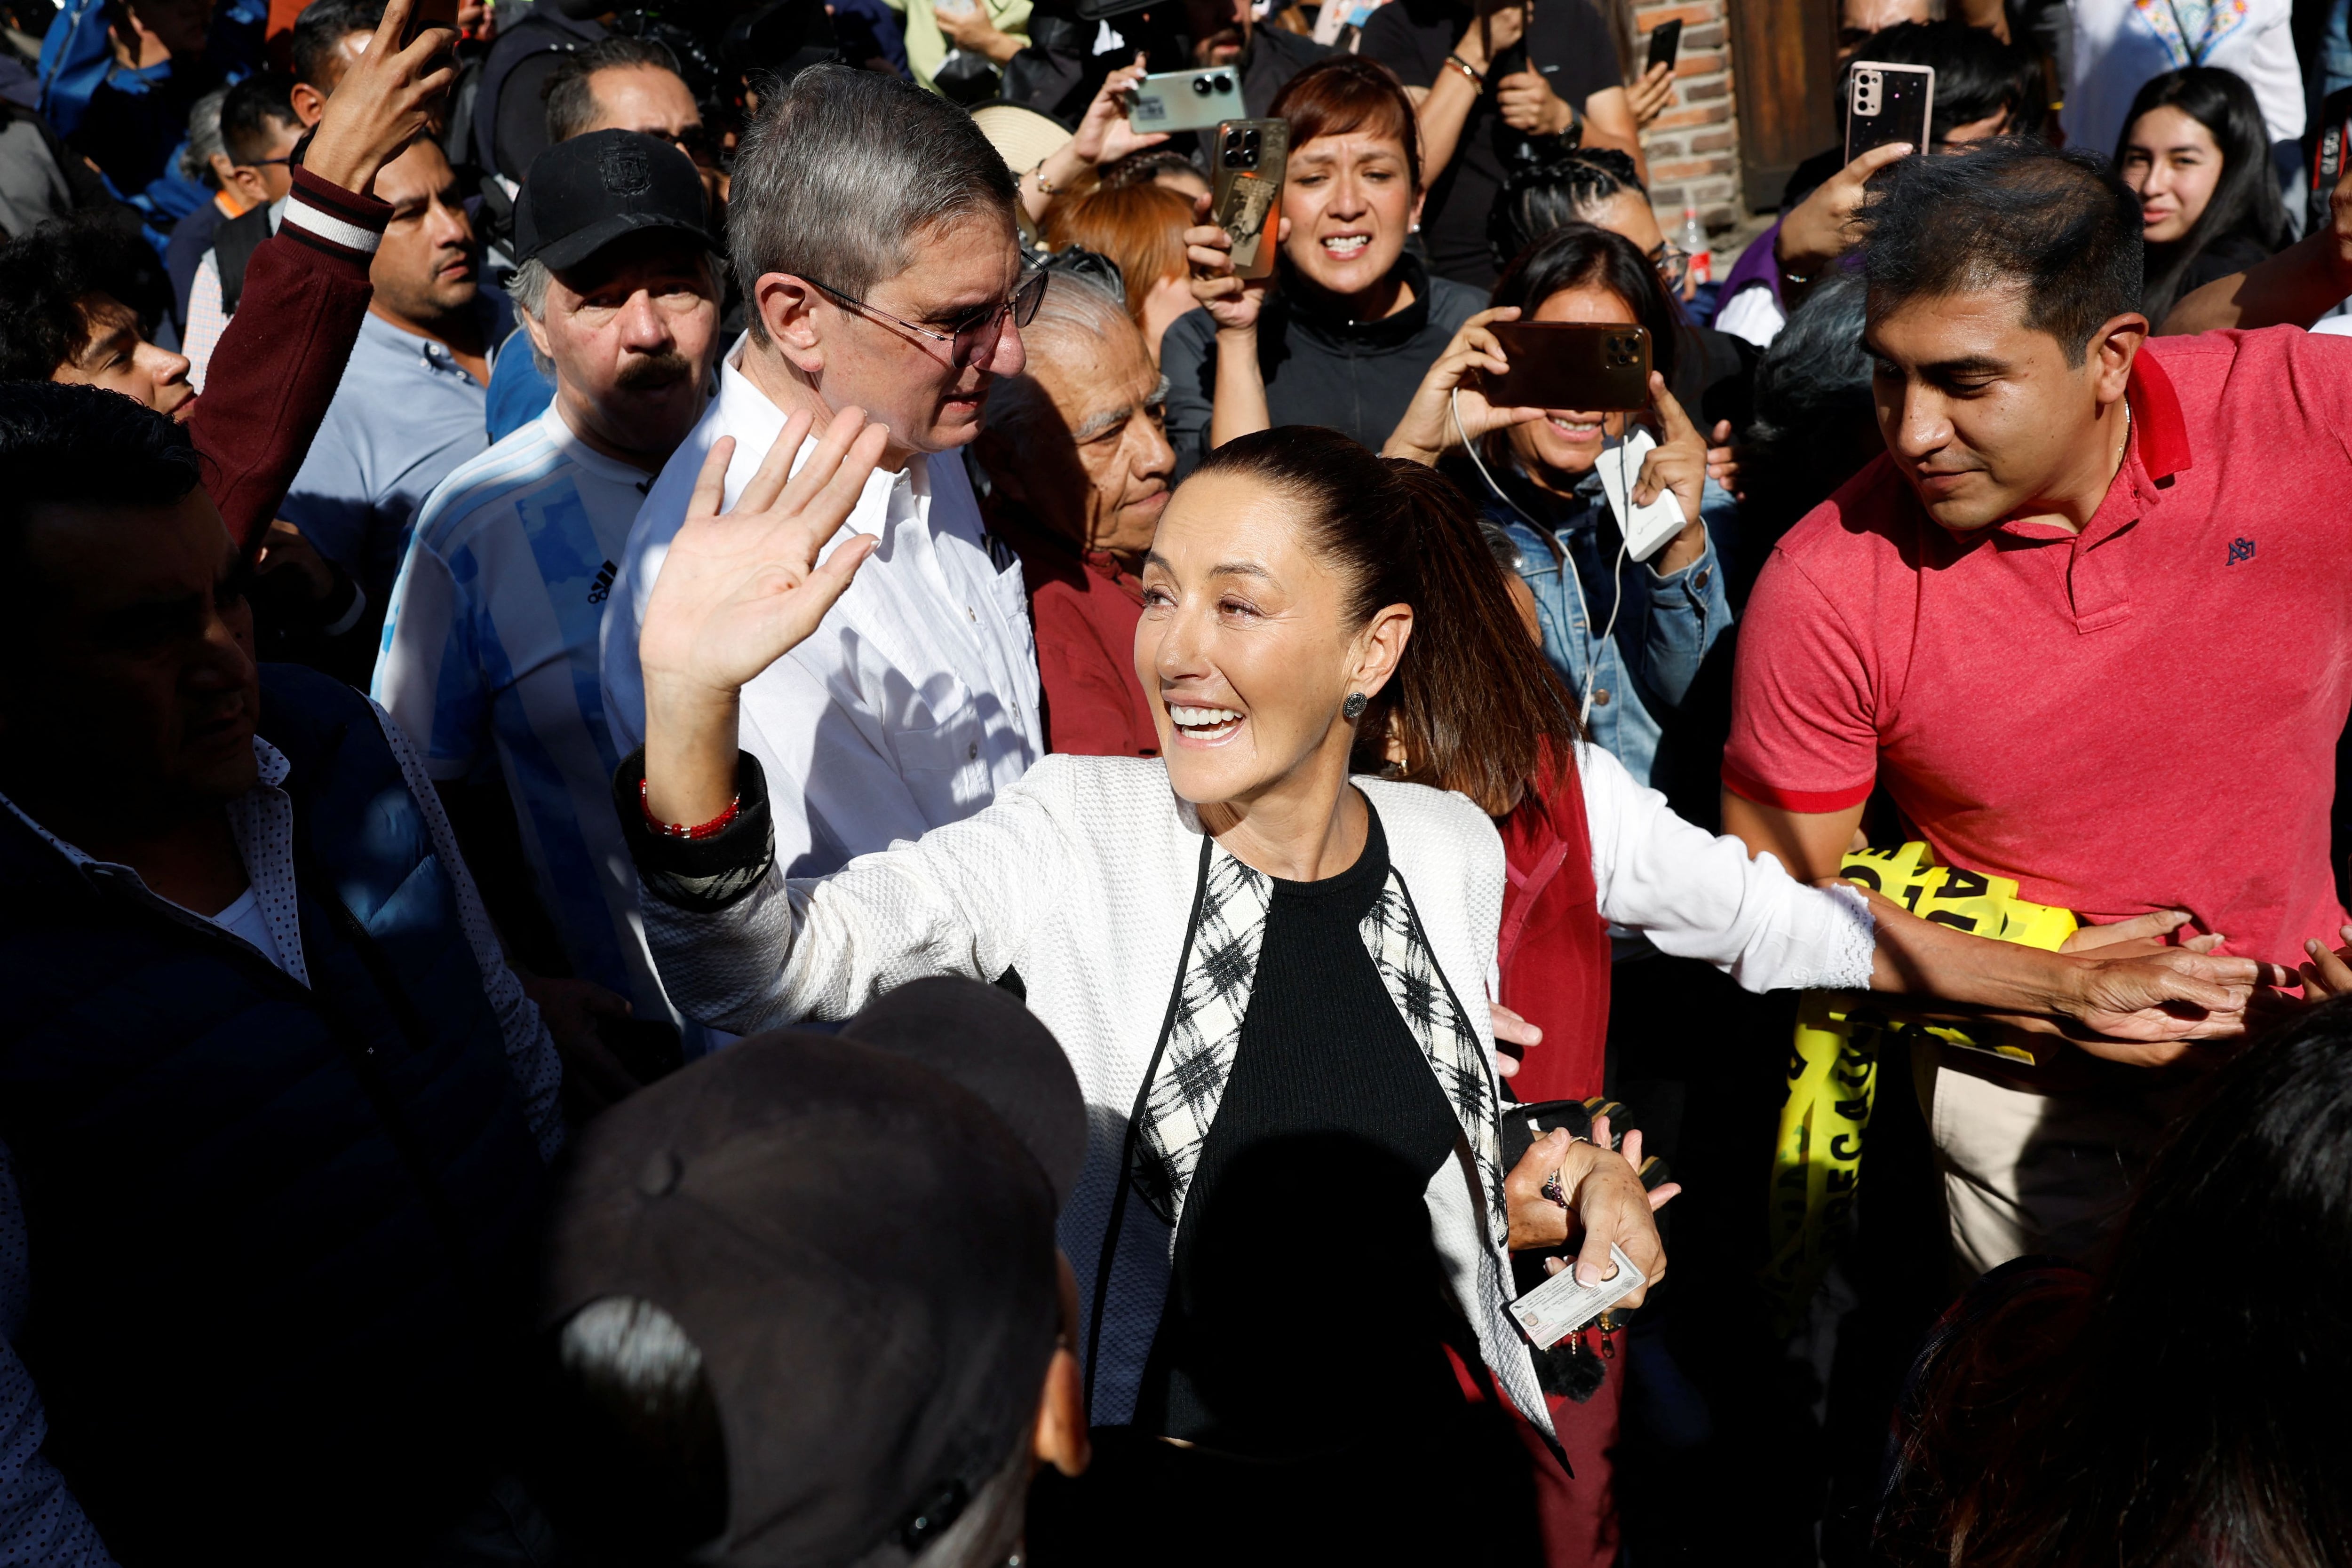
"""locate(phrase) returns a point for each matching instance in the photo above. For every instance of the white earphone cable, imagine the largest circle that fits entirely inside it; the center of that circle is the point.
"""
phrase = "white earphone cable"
(1567, 567)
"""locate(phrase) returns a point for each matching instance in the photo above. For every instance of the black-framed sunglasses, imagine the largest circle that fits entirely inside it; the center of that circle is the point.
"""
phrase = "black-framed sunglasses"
(975, 329)
(265, 163)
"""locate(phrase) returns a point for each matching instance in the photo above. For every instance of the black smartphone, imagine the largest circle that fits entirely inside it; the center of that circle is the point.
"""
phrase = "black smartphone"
(430, 14)
(1888, 103)
(1580, 366)
(1665, 43)
(1250, 158)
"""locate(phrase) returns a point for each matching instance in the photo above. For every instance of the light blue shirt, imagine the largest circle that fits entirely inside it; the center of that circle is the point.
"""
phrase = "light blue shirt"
(490, 649)
(404, 414)
(520, 391)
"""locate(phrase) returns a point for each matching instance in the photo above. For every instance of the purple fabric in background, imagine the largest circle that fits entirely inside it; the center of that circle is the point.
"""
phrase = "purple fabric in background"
(1757, 265)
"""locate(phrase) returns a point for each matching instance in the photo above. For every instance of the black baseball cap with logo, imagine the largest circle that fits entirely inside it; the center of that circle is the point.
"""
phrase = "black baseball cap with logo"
(856, 1233)
(583, 194)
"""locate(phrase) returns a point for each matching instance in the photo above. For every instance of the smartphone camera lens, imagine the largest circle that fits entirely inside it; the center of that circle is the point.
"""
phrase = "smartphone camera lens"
(1204, 86)
(1222, 82)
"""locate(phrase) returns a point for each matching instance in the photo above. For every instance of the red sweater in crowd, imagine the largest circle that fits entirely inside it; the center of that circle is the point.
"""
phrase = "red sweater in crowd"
(1084, 607)
(278, 363)
(1553, 953)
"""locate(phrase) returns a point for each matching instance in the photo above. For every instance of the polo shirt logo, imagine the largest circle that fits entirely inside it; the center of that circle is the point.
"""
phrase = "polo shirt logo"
(2241, 549)
(603, 585)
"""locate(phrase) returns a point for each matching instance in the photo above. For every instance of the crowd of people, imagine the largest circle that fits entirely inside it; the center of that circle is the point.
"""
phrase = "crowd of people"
(793, 839)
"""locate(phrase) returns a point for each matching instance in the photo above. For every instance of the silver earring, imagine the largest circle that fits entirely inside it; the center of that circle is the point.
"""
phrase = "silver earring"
(1355, 705)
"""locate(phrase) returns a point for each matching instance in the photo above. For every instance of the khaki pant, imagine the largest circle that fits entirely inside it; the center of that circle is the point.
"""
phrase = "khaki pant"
(2027, 1172)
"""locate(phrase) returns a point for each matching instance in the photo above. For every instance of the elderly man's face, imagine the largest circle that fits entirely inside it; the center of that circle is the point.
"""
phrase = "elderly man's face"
(1102, 476)
(632, 331)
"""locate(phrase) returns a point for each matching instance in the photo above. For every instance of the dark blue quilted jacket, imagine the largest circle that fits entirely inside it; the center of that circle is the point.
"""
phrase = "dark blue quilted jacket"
(277, 1234)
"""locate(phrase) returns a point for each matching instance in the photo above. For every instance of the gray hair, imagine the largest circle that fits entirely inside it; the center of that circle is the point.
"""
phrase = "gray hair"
(844, 171)
(204, 139)
(528, 288)
(1076, 319)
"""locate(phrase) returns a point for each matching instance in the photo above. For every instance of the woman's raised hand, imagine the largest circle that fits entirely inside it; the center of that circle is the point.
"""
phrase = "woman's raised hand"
(1426, 432)
(1232, 303)
(738, 590)
(1820, 229)
(1104, 135)
(1677, 464)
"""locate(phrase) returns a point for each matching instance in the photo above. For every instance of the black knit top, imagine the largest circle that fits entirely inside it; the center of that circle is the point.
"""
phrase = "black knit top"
(1305, 1224)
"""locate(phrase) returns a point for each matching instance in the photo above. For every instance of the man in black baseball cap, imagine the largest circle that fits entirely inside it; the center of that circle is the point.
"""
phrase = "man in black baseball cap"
(805, 1299)
(491, 645)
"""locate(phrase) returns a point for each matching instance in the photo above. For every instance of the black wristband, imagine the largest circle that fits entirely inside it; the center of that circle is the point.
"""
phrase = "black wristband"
(699, 875)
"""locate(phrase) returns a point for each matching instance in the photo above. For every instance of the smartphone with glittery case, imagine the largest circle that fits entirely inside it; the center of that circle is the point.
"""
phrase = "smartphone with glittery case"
(1888, 103)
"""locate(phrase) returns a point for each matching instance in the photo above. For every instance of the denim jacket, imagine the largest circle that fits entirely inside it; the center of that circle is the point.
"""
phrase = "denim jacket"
(1664, 627)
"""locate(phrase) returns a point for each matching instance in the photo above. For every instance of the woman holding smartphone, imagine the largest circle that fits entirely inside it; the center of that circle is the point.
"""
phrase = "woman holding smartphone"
(1340, 334)
(2195, 153)
(1628, 636)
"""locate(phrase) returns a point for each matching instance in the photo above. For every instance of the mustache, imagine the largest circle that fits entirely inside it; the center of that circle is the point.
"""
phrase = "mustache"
(650, 372)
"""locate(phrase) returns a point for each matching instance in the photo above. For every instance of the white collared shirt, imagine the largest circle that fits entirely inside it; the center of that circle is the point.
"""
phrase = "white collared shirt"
(911, 706)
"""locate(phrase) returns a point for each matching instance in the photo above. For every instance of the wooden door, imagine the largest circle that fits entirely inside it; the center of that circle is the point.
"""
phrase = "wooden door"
(1783, 54)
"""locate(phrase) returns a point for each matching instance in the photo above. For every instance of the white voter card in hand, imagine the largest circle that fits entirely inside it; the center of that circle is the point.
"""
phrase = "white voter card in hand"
(1560, 1306)
(1646, 529)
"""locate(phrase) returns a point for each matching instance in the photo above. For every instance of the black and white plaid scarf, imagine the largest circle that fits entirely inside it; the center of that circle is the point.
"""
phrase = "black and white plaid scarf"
(1205, 1032)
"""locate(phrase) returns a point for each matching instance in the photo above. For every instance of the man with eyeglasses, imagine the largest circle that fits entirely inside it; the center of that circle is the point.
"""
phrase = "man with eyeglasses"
(872, 229)
(327, 40)
(259, 129)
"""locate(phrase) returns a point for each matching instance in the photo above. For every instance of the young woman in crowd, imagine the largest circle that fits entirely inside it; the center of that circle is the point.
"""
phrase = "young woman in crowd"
(1598, 185)
(1142, 227)
(1627, 636)
(1265, 970)
(1341, 331)
(2195, 150)
(2182, 1402)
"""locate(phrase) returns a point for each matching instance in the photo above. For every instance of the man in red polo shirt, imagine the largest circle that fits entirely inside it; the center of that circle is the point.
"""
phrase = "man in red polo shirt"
(2089, 622)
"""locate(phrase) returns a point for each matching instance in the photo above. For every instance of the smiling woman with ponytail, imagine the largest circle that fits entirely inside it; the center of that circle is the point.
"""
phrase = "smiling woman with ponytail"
(1268, 965)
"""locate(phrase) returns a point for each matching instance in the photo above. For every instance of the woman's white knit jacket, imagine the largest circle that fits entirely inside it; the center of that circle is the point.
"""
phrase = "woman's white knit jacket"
(1082, 876)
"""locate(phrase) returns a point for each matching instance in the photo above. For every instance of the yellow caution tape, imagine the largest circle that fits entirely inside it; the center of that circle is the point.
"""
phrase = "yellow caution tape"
(1833, 1063)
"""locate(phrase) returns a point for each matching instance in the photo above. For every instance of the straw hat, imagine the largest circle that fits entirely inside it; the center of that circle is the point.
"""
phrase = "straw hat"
(1022, 137)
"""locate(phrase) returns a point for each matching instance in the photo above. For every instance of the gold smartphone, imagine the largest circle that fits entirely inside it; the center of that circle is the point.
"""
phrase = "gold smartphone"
(1245, 199)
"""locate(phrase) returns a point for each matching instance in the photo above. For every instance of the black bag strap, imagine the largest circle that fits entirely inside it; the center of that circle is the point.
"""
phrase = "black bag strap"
(1110, 1254)
(234, 244)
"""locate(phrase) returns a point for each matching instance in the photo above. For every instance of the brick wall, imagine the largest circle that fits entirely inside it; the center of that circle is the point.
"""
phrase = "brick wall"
(1693, 147)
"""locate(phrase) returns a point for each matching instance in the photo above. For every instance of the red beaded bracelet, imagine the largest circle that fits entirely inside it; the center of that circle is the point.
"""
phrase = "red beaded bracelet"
(710, 829)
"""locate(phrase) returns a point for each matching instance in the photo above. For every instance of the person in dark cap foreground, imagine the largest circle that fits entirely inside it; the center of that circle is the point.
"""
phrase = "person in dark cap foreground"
(492, 634)
(803, 1303)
